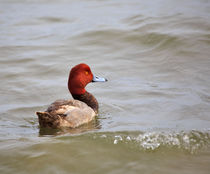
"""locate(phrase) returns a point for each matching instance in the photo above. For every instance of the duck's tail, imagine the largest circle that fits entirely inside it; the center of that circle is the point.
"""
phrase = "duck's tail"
(47, 120)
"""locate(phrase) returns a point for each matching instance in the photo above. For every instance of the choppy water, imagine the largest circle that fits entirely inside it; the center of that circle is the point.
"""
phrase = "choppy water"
(155, 108)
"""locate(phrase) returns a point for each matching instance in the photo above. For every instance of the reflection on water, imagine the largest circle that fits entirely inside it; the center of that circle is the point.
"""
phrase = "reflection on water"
(154, 110)
(91, 126)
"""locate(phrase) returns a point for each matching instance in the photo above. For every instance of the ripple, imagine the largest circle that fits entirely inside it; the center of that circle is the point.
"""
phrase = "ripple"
(125, 38)
(43, 20)
(53, 19)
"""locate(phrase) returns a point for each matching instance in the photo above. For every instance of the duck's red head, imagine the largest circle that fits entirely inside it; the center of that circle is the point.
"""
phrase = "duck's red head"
(79, 77)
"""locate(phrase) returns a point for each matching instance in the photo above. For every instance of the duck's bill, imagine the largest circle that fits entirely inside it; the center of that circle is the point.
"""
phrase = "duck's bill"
(98, 79)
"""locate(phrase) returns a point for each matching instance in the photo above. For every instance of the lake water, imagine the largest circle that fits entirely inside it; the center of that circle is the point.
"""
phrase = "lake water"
(154, 109)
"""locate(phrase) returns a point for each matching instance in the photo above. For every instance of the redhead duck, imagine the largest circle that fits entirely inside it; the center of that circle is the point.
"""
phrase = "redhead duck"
(75, 112)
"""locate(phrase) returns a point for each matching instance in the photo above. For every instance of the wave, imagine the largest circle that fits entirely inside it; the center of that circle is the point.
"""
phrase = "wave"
(191, 142)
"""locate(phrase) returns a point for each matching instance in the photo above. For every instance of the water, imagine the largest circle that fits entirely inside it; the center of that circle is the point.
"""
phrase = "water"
(155, 108)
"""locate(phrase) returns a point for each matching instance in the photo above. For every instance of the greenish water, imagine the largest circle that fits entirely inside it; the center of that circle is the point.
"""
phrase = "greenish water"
(155, 108)
(109, 152)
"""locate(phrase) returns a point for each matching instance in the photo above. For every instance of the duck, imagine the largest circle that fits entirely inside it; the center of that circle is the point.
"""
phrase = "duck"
(72, 113)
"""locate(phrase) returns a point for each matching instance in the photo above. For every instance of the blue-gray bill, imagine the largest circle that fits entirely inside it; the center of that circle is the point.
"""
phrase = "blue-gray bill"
(98, 79)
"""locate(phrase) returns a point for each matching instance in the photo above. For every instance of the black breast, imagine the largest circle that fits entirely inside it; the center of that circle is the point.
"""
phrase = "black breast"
(89, 99)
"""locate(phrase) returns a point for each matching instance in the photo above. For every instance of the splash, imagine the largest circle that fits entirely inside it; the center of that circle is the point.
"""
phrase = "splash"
(151, 141)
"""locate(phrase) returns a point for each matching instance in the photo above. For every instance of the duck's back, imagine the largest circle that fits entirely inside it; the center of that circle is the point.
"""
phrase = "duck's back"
(66, 113)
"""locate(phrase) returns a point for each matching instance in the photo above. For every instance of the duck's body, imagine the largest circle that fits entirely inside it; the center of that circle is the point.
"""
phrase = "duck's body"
(66, 113)
(75, 112)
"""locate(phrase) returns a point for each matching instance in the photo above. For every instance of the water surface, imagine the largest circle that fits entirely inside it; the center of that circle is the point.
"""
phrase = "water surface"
(155, 108)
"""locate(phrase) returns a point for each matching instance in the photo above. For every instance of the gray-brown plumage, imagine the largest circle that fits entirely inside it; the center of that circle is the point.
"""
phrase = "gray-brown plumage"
(66, 113)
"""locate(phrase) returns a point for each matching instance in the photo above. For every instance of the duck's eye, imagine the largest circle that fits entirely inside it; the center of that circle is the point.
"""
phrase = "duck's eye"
(86, 72)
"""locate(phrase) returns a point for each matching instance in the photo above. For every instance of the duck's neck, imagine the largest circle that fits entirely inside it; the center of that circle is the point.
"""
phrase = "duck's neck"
(87, 98)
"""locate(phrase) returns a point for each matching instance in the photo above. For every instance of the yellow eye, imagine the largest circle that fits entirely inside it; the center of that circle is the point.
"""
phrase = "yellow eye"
(86, 72)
